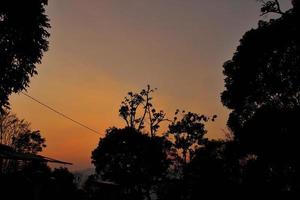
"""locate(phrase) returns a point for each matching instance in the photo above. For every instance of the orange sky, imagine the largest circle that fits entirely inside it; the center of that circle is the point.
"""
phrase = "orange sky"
(101, 49)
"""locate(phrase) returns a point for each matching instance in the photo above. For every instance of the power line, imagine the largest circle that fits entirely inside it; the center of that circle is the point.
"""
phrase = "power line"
(60, 113)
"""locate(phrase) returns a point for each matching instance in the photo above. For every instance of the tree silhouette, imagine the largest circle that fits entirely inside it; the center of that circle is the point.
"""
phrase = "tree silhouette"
(38, 181)
(270, 7)
(212, 170)
(188, 132)
(271, 135)
(263, 92)
(17, 134)
(23, 40)
(141, 164)
(296, 4)
(264, 70)
(64, 185)
(137, 110)
(132, 160)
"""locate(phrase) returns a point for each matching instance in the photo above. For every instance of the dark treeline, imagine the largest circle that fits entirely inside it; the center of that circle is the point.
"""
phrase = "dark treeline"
(158, 156)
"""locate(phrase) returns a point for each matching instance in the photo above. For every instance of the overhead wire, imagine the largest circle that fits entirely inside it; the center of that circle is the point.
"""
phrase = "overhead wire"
(60, 113)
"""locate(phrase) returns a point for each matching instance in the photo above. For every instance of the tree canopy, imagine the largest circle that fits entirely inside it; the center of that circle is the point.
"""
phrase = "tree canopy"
(138, 111)
(132, 160)
(188, 132)
(23, 40)
(17, 134)
(264, 70)
(263, 92)
(136, 158)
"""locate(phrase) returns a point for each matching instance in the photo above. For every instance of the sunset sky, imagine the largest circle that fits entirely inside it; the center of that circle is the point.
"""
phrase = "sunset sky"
(101, 49)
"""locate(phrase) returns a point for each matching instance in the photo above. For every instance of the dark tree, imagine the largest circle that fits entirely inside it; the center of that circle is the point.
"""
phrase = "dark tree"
(270, 7)
(29, 142)
(17, 134)
(141, 164)
(64, 185)
(296, 4)
(264, 70)
(212, 170)
(263, 93)
(187, 131)
(132, 160)
(138, 111)
(23, 40)
(38, 181)
(270, 138)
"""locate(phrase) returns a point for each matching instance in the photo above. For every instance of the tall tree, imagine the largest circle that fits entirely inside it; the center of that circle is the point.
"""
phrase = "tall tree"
(23, 40)
(264, 70)
(263, 93)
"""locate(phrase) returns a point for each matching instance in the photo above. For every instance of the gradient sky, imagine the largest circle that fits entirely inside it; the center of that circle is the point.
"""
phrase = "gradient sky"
(101, 49)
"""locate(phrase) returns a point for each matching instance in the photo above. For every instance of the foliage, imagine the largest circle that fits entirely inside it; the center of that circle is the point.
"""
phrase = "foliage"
(17, 134)
(213, 170)
(270, 7)
(141, 163)
(188, 132)
(23, 40)
(132, 160)
(272, 136)
(263, 93)
(137, 110)
(29, 142)
(38, 181)
(65, 184)
(296, 4)
(264, 70)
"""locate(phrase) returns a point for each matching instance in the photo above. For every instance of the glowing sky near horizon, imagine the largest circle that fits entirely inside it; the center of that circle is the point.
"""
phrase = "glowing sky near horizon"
(101, 49)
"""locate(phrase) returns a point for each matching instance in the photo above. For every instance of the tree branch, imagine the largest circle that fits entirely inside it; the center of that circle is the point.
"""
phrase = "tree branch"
(271, 7)
(278, 7)
(145, 108)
